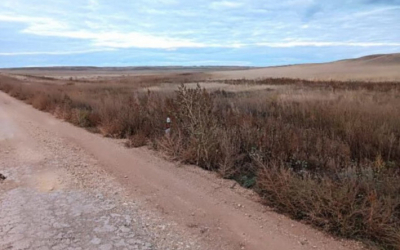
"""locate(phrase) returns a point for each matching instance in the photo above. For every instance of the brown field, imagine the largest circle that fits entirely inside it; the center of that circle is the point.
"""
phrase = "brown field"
(324, 152)
(94, 73)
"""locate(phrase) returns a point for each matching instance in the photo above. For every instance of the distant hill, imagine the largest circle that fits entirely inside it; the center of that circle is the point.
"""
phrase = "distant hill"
(385, 67)
(378, 60)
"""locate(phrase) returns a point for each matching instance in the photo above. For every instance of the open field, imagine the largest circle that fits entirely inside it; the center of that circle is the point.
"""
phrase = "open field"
(323, 152)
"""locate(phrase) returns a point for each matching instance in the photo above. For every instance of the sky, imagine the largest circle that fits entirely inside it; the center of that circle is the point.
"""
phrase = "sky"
(194, 32)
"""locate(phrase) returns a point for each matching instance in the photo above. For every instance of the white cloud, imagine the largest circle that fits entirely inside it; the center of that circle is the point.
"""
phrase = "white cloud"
(93, 5)
(117, 39)
(225, 4)
(22, 19)
(50, 53)
(325, 44)
(139, 40)
(376, 11)
(35, 24)
(167, 2)
(109, 38)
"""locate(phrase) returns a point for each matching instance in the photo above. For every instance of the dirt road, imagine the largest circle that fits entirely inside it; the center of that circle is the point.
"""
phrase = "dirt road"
(69, 189)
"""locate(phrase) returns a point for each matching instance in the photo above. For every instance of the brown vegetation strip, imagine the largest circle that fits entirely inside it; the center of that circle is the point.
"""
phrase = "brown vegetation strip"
(332, 162)
(385, 86)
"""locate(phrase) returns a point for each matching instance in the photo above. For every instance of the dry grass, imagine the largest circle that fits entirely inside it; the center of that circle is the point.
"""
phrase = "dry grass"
(326, 153)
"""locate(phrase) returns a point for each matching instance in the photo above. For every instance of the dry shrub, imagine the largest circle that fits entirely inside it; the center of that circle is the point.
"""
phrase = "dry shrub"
(351, 205)
(5, 87)
(229, 149)
(114, 115)
(193, 112)
(171, 144)
(40, 102)
(64, 111)
(81, 117)
(137, 140)
(122, 116)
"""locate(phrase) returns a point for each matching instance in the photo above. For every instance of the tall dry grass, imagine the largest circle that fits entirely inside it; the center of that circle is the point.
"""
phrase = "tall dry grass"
(326, 153)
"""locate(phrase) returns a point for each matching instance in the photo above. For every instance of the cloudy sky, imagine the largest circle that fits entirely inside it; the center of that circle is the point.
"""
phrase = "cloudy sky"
(195, 32)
